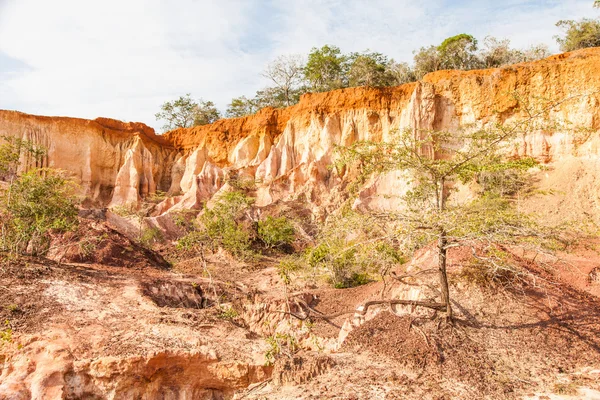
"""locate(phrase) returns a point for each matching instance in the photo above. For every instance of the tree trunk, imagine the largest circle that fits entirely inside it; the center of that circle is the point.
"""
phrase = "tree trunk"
(442, 241)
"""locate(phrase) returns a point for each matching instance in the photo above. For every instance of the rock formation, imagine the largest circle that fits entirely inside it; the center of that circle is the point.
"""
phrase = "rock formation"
(288, 151)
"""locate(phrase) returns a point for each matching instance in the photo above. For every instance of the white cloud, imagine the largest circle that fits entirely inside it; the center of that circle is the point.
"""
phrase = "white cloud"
(122, 59)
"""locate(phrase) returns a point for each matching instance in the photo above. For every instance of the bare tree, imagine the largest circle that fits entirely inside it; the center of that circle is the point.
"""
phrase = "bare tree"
(286, 72)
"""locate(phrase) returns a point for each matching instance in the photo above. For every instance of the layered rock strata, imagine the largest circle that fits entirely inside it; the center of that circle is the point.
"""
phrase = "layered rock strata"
(289, 151)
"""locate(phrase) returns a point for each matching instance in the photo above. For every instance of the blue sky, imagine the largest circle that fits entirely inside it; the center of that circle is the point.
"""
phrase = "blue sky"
(123, 58)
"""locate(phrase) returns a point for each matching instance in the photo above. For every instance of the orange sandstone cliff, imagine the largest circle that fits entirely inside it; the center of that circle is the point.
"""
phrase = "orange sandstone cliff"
(289, 150)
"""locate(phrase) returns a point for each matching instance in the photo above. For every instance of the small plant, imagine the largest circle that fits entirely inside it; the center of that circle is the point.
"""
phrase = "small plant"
(13, 308)
(37, 202)
(354, 280)
(228, 314)
(274, 232)
(565, 389)
(149, 236)
(6, 333)
(156, 197)
(280, 344)
(491, 271)
(126, 210)
(287, 267)
(88, 246)
(243, 183)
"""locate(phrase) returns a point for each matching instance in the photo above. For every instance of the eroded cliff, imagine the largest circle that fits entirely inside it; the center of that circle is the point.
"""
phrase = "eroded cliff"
(288, 151)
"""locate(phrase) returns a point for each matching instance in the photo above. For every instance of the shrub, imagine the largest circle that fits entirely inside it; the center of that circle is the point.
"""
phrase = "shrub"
(275, 232)
(287, 267)
(37, 202)
(222, 227)
(579, 34)
(280, 344)
(149, 236)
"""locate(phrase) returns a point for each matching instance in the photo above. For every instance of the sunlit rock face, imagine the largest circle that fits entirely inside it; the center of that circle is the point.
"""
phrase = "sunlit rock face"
(289, 152)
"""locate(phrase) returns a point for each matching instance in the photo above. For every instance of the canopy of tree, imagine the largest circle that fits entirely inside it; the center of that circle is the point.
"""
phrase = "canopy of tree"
(327, 68)
(185, 112)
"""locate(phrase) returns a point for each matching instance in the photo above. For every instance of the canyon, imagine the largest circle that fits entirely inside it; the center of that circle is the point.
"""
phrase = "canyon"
(124, 324)
(289, 151)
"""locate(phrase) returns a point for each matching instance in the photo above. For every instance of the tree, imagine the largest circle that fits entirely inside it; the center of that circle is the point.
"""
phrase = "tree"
(287, 73)
(455, 52)
(205, 113)
(597, 3)
(273, 97)
(326, 68)
(185, 112)
(458, 52)
(535, 52)
(240, 107)
(399, 73)
(579, 34)
(426, 60)
(368, 69)
(179, 113)
(496, 53)
(435, 162)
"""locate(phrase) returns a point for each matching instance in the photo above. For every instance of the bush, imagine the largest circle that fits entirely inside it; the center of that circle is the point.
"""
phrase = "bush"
(37, 202)
(287, 267)
(274, 232)
(221, 226)
(352, 249)
(579, 34)
(149, 236)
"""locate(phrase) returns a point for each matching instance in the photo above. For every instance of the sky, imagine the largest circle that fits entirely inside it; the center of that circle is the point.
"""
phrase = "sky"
(123, 58)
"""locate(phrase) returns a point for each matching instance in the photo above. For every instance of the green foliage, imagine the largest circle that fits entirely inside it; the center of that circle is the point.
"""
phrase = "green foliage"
(185, 112)
(287, 267)
(326, 68)
(221, 226)
(88, 246)
(228, 314)
(280, 344)
(461, 52)
(243, 183)
(241, 106)
(149, 236)
(497, 53)
(206, 113)
(6, 332)
(456, 52)
(426, 60)
(579, 34)
(275, 232)
(351, 249)
(436, 161)
(368, 69)
(192, 240)
(156, 197)
(37, 202)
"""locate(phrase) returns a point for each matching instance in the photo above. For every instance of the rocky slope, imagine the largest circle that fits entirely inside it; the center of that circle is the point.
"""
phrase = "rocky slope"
(114, 322)
(289, 150)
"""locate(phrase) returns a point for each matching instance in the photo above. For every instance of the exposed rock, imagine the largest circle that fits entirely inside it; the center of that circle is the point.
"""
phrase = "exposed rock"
(288, 151)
